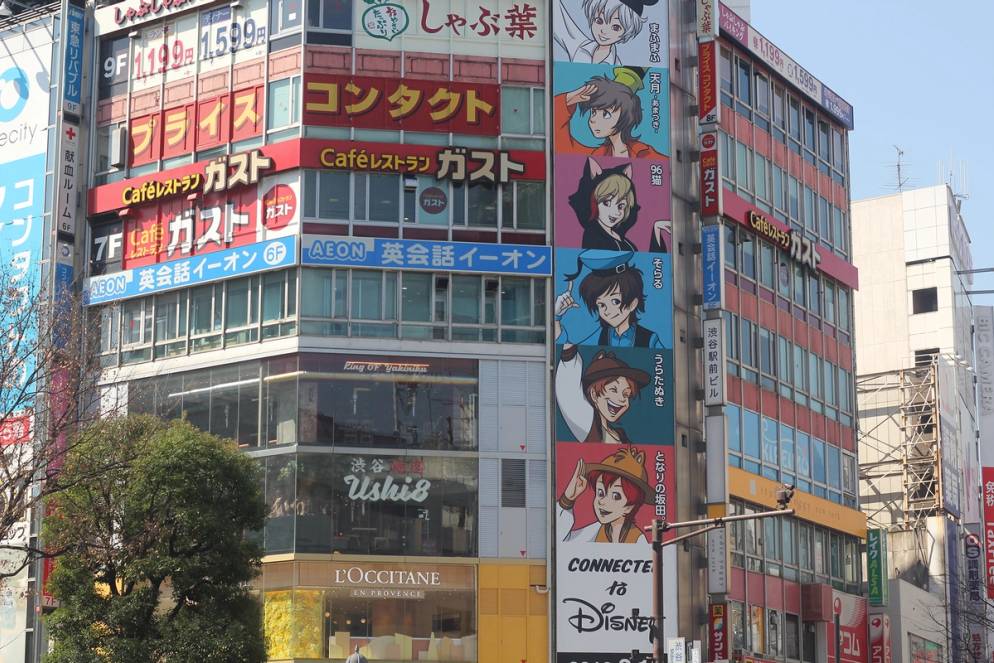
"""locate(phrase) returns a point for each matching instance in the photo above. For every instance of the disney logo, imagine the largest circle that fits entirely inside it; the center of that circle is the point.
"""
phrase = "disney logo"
(589, 618)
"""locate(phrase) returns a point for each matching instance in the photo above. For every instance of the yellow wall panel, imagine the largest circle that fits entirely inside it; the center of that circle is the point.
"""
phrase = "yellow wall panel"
(537, 636)
(513, 639)
(514, 575)
(489, 575)
(489, 640)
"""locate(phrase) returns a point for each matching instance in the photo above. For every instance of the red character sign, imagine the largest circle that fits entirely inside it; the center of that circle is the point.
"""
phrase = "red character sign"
(181, 130)
(393, 103)
(988, 483)
(518, 21)
(718, 632)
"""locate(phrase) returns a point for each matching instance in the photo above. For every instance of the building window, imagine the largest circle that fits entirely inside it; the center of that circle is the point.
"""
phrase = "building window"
(286, 16)
(522, 111)
(512, 482)
(439, 306)
(926, 357)
(725, 72)
(333, 15)
(925, 300)
(283, 104)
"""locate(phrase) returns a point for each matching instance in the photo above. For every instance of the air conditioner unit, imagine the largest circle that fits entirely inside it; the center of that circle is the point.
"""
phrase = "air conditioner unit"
(118, 143)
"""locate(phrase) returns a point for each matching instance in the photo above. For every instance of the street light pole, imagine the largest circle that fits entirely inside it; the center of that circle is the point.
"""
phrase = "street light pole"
(660, 527)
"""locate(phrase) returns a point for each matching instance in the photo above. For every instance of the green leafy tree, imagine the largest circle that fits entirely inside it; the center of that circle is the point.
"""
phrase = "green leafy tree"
(156, 564)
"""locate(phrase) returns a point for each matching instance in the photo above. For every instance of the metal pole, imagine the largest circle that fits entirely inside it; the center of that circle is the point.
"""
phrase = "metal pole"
(658, 647)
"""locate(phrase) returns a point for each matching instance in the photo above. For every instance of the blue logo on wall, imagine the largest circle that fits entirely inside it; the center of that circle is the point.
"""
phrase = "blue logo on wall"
(14, 76)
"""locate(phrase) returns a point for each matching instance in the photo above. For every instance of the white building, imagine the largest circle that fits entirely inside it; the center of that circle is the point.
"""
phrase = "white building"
(917, 410)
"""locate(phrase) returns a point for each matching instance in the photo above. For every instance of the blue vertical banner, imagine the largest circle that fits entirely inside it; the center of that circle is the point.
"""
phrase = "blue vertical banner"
(72, 72)
(711, 259)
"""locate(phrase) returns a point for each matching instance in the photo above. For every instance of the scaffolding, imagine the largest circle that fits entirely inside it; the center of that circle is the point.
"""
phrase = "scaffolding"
(900, 446)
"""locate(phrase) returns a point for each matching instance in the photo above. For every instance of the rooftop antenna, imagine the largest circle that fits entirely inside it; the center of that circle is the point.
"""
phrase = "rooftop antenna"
(901, 179)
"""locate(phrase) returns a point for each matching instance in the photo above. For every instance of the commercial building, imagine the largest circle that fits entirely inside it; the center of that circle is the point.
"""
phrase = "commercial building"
(918, 449)
(437, 265)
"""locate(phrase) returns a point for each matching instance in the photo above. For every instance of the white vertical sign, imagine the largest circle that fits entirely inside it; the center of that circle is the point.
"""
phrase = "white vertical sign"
(714, 363)
(717, 561)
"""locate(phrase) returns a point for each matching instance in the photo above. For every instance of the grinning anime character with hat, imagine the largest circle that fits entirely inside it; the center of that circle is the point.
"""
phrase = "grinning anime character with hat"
(609, 23)
(613, 110)
(614, 290)
(620, 486)
(593, 399)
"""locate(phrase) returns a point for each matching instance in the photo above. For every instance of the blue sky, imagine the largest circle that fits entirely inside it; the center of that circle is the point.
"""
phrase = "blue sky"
(920, 75)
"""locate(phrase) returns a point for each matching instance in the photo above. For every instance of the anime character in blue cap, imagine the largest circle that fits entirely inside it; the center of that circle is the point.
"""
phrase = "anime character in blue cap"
(613, 289)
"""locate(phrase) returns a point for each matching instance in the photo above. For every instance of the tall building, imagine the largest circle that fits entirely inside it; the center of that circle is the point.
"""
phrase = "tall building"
(917, 397)
(485, 296)
(777, 289)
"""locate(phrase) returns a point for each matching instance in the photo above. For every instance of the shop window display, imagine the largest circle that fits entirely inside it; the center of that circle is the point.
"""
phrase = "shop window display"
(391, 612)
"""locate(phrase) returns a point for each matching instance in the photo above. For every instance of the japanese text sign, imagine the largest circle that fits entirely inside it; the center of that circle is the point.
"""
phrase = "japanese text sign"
(426, 255)
(714, 362)
(782, 64)
(513, 28)
(72, 71)
(713, 263)
(710, 180)
(68, 169)
(707, 72)
(176, 131)
(239, 261)
(458, 164)
(876, 566)
(395, 103)
(988, 504)
(718, 631)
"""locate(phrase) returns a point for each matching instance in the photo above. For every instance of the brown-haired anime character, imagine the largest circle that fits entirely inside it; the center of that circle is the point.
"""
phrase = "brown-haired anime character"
(613, 110)
(593, 399)
(620, 486)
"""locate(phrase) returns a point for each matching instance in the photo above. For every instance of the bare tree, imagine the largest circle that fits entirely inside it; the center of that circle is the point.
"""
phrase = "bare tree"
(46, 394)
(973, 613)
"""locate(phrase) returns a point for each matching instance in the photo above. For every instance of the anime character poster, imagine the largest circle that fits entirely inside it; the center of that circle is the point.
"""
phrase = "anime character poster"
(606, 495)
(610, 32)
(613, 204)
(614, 111)
(613, 395)
(616, 299)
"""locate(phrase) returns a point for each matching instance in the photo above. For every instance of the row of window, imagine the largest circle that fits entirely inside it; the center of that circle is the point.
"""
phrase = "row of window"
(774, 109)
(522, 127)
(322, 400)
(761, 182)
(768, 631)
(763, 357)
(336, 195)
(799, 552)
(334, 302)
(762, 262)
(784, 454)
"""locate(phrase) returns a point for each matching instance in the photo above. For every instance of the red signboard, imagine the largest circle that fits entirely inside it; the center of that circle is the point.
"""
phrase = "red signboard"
(182, 181)
(710, 175)
(394, 103)
(718, 632)
(15, 429)
(988, 483)
(452, 163)
(880, 649)
(707, 77)
(183, 129)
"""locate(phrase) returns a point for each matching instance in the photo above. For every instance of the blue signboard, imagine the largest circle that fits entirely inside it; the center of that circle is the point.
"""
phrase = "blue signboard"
(72, 74)
(238, 261)
(712, 261)
(427, 255)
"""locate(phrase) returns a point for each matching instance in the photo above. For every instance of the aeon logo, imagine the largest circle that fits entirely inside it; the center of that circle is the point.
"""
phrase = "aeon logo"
(14, 90)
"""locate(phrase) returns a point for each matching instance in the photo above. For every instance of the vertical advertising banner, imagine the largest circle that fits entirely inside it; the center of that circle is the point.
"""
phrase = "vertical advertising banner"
(876, 566)
(988, 508)
(613, 304)
(880, 650)
(713, 263)
(24, 104)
